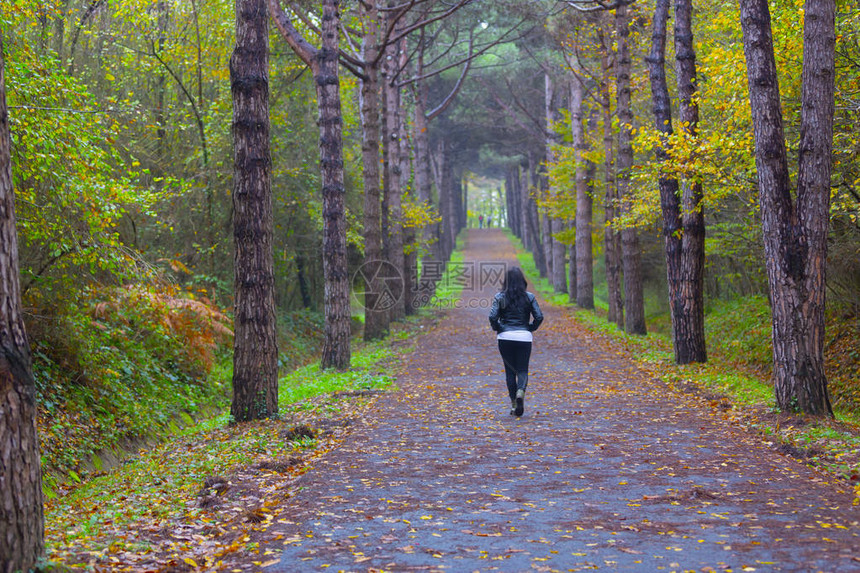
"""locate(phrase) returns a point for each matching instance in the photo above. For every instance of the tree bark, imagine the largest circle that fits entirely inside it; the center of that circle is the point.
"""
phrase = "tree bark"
(510, 193)
(375, 316)
(423, 185)
(572, 268)
(323, 62)
(22, 519)
(688, 308)
(556, 224)
(525, 210)
(795, 233)
(611, 238)
(670, 203)
(631, 257)
(534, 220)
(461, 192)
(392, 175)
(410, 239)
(446, 199)
(559, 276)
(255, 351)
(583, 290)
(336, 350)
(546, 230)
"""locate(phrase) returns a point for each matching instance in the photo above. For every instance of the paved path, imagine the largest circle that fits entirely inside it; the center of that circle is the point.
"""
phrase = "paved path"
(606, 470)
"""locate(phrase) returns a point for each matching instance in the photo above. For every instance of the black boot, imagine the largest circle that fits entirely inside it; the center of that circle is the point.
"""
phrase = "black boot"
(519, 406)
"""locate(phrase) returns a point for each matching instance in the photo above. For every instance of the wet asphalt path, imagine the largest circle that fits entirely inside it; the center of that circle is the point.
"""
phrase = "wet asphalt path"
(606, 470)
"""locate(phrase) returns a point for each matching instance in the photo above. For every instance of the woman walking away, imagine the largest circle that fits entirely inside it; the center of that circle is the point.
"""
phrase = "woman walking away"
(510, 316)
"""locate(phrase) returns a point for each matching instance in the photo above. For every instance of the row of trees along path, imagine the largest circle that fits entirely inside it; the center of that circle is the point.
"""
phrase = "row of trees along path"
(608, 468)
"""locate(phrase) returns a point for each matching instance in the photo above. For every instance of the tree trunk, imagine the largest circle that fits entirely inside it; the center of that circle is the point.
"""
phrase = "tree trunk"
(422, 185)
(583, 290)
(688, 309)
(511, 212)
(393, 187)
(304, 291)
(556, 224)
(611, 238)
(336, 351)
(323, 62)
(525, 209)
(795, 233)
(255, 351)
(461, 191)
(559, 277)
(375, 315)
(572, 268)
(410, 240)
(447, 207)
(546, 234)
(669, 197)
(22, 519)
(537, 248)
(631, 260)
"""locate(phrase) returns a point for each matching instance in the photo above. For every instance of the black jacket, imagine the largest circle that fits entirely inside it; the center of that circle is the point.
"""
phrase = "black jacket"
(504, 317)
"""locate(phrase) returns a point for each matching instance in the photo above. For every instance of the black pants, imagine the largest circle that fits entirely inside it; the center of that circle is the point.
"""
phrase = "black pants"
(515, 355)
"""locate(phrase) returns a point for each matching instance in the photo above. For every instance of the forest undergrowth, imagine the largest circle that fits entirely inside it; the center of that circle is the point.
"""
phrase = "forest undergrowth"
(118, 368)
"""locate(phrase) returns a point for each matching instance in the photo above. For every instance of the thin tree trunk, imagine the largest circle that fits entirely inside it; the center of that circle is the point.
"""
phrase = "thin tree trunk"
(611, 238)
(461, 189)
(336, 350)
(572, 270)
(422, 185)
(22, 519)
(533, 189)
(410, 252)
(255, 351)
(582, 291)
(559, 277)
(375, 315)
(546, 234)
(634, 297)
(556, 224)
(688, 313)
(795, 233)
(304, 291)
(393, 187)
(670, 202)
(525, 211)
(446, 199)
(509, 202)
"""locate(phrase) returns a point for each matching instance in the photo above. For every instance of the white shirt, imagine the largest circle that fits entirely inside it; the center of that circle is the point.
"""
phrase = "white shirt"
(518, 335)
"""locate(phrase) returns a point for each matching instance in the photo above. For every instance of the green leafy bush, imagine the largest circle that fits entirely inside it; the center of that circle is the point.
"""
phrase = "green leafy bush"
(118, 364)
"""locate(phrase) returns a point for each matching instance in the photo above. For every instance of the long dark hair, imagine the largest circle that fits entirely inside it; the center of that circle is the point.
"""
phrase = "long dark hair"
(514, 287)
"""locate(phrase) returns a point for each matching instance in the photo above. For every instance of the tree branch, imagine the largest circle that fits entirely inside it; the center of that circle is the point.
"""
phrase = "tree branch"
(296, 41)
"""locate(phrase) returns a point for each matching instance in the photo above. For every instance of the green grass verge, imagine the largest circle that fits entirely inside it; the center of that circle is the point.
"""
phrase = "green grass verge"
(449, 288)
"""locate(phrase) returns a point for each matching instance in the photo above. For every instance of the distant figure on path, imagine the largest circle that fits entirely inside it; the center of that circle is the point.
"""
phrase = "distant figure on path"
(489, 222)
(510, 316)
(480, 221)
